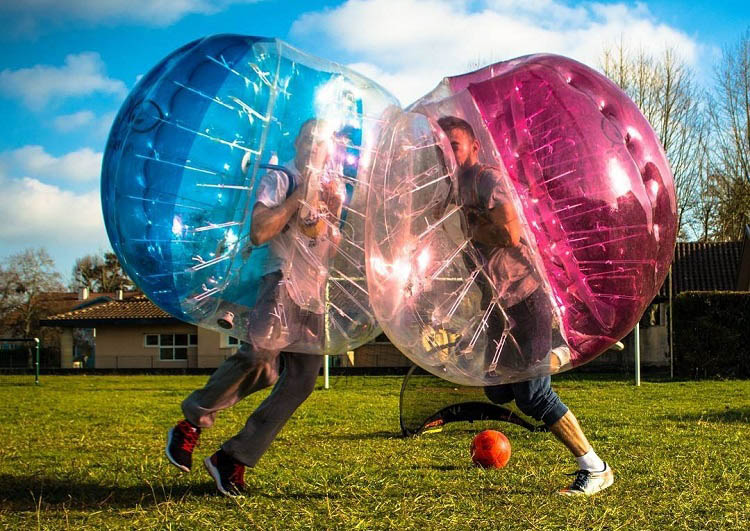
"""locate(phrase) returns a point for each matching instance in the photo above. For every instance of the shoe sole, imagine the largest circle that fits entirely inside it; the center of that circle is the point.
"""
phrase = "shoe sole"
(169, 455)
(214, 472)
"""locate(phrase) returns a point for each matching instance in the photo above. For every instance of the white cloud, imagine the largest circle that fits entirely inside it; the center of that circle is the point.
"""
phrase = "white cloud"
(35, 213)
(31, 13)
(67, 222)
(81, 75)
(69, 122)
(104, 124)
(401, 82)
(81, 165)
(412, 44)
(86, 122)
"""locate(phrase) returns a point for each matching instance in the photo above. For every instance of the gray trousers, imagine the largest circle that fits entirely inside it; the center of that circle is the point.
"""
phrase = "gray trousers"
(253, 368)
(245, 372)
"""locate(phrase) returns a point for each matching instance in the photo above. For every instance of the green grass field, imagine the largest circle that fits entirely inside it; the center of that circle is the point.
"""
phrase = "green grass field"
(87, 452)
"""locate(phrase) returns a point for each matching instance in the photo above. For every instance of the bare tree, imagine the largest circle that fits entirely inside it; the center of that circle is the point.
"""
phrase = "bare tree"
(665, 90)
(707, 205)
(733, 211)
(101, 273)
(85, 272)
(730, 116)
(10, 290)
(24, 279)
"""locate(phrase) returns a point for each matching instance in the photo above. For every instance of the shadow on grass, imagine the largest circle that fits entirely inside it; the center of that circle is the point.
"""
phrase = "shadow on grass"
(726, 416)
(23, 493)
(446, 468)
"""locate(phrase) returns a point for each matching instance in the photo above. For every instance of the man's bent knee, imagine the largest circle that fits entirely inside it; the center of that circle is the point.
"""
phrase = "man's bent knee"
(537, 400)
(249, 356)
(499, 394)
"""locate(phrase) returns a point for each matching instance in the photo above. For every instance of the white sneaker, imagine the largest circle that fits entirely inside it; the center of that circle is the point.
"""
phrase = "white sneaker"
(588, 483)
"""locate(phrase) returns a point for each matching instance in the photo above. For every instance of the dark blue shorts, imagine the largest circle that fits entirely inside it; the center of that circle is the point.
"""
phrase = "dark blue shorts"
(531, 327)
(534, 397)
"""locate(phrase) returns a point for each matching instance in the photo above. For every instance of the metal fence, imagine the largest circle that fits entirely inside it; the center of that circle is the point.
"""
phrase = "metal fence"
(371, 355)
(126, 361)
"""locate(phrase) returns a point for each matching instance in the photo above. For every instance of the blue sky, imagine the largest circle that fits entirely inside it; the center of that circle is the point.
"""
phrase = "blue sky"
(67, 65)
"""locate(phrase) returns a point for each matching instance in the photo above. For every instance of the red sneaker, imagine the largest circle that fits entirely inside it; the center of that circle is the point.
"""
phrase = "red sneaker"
(228, 473)
(181, 440)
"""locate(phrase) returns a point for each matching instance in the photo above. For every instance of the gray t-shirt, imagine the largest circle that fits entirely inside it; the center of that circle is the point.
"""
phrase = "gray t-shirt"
(302, 260)
(482, 188)
(272, 191)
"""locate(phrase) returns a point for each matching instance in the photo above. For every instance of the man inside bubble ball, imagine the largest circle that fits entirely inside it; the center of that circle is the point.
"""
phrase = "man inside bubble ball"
(496, 233)
(296, 212)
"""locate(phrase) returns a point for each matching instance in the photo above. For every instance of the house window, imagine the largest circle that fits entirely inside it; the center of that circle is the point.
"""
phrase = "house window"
(229, 341)
(171, 346)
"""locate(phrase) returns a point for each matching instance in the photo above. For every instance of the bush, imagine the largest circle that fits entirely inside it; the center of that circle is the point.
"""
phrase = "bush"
(712, 334)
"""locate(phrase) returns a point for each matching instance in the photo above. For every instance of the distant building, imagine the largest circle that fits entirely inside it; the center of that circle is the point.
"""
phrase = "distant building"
(46, 304)
(134, 333)
(105, 331)
(697, 266)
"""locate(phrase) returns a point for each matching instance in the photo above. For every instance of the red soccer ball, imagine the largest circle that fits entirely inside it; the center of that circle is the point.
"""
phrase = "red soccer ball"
(490, 449)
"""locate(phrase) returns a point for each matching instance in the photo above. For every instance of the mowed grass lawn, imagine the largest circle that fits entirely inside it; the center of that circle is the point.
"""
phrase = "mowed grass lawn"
(87, 452)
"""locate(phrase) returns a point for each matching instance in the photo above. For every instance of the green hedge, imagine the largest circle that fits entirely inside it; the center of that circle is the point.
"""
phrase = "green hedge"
(712, 334)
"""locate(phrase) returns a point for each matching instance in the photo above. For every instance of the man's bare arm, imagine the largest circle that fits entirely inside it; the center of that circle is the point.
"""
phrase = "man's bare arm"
(333, 195)
(504, 217)
(268, 222)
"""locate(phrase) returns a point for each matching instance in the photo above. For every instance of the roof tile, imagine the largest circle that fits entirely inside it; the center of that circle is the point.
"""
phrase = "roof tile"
(704, 266)
(138, 307)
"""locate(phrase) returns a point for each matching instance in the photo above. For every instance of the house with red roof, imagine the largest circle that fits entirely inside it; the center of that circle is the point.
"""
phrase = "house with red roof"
(131, 332)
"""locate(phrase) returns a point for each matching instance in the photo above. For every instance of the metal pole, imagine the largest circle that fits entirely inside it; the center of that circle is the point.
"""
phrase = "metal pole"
(36, 363)
(671, 331)
(638, 354)
(326, 323)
